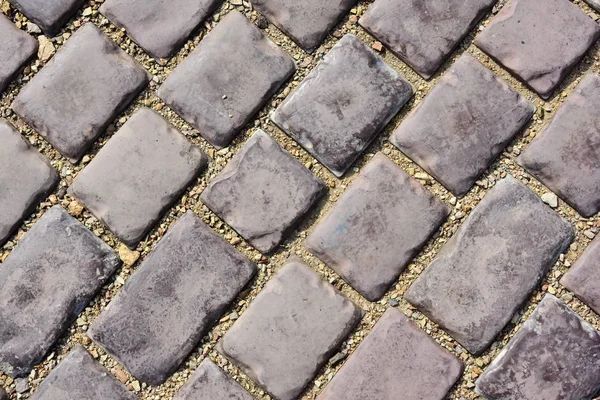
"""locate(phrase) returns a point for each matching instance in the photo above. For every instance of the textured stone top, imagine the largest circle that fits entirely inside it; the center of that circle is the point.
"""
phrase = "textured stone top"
(3, 394)
(16, 48)
(583, 277)
(50, 15)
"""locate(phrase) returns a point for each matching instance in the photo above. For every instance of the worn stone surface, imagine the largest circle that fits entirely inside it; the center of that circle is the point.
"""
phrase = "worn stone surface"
(50, 15)
(159, 27)
(477, 114)
(80, 91)
(554, 356)
(16, 49)
(210, 382)
(80, 377)
(172, 300)
(263, 192)
(540, 41)
(583, 277)
(378, 225)
(3, 394)
(45, 282)
(565, 156)
(491, 264)
(594, 3)
(26, 177)
(138, 175)
(423, 33)
(334, 120)
(227, 79)
(290, 330)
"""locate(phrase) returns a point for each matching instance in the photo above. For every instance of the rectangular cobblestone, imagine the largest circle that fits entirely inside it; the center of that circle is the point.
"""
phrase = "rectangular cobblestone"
(16, 49)
(50, 15)
(583, 277)
(491, 264)
(172, 300)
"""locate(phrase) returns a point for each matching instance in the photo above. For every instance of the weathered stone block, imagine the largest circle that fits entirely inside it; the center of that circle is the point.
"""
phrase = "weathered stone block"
(16, 49)
(583, 277)
(50, 15)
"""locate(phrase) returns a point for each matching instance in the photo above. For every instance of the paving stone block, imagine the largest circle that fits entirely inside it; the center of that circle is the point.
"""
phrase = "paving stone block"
(45, 282)
(138, 175)
(210, 382)
(565, 156)
(378, 225)
(595, 4)
(423, 34)
(172, 300)
(307, 22)
(290, 330)
(49, 15)
(554, 356)
(539, 41)
(159, 27)
(583, 277)
(343, 104)
(3, 394)
(80, 91)
(26, 177)
(16, 49)
(492, 263)
(80, 377)
(263, 192)
(476, 115)
(227, 79)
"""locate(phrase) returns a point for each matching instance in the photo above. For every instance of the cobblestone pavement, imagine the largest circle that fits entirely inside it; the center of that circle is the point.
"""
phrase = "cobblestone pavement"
(282, 199)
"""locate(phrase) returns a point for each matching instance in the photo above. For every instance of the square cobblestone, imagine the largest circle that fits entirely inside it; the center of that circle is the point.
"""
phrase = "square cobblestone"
(554, 356)
(343, 104)
(540, 41)
(477, 115)
(227, 79)
(16, 49)
(565, 156)
(3, 394)
(159, 27)
(89, 81)
(50, 15)
(583, 277)
(26, 177)
(45, 282)
(172, 300)
(595, 4)
(423, 33)
(263, 192)
(396, 357)
(290, 330)
(491, 264)
(378, 225)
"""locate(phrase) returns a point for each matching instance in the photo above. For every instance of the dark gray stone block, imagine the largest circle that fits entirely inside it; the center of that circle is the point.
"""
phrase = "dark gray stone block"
(423, 33)
(476, 115)
(172, 300)
(45, 282)
(554, 356)
(564, 156)
(290, 330)
(227, 79)
(378, 225)
(159, 27)
(80, 91)
(80, 377)
(16, 49)
(50, 15)
(343, 104)
(583, 277)
(263, 193)
(138, 175)
(26, 177)
(539, 41)
(3, 394)
(492, 263)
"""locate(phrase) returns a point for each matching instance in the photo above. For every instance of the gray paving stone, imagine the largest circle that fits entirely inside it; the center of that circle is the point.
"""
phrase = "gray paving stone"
(209, 382)
(88, 82)
(583, 277)
(595, 4)
(263, 193)
(554, 356)
(378, 225)
(227, 79)
(138, 175)
(307, 22)
(423, 34)
(477, 115)
(540, 41)
(50, 15)
(343, 104)
(16, 49)
(3, 394)
(171, 301)
(45, 282)
(491, 264)
(159, 27)
(80, 377)
(565, 156)
(290, 330)
(26, 177)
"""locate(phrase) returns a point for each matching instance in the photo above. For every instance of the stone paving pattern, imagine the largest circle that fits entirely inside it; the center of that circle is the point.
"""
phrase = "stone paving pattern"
(17, 49)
